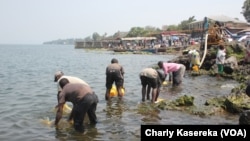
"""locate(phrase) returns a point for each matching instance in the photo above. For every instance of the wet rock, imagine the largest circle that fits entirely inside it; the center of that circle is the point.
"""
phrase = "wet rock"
(184, 101)
(245, 118)
(248, 88)
(216, 102)
(207, 110)
(236, 103)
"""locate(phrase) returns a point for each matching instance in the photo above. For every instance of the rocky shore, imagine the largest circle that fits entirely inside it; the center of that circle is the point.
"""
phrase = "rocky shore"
(237, 102)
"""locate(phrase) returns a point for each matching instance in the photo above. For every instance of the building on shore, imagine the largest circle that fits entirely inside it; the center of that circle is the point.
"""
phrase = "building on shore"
(124, 42)
(96, 44)
(232, 25)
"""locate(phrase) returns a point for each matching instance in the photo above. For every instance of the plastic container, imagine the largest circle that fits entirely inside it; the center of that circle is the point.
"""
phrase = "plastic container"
(114, 93)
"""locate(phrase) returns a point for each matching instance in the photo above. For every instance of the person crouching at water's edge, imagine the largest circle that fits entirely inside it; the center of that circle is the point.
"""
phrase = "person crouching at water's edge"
(151, 78)
(177, 70)
(72, 79)
(84, 101)
(114, 73)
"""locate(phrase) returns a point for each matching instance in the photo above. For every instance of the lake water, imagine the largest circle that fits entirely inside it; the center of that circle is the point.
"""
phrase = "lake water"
(28, 94)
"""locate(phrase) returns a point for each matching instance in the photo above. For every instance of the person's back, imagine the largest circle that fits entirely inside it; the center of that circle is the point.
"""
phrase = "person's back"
(114, 66)
(71, 79)
(170, 67)
(59, 75)
(151, 78)
(149, 72)
(74, 92)
(177, 70)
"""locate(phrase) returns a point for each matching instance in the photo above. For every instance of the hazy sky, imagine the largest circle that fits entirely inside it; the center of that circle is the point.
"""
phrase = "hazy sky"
(38, 21)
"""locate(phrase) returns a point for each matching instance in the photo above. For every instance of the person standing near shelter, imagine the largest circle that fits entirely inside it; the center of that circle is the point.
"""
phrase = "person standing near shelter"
(84, 101)
(220, 59)
(177, 70)
(60, 75)
(114, 73)
(151, 78)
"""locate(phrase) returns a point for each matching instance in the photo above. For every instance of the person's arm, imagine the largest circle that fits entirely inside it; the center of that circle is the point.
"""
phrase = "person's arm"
(122, 71)
(59, 113)
(58, 98)
(58, 95)
(107, 70)
(170, 77)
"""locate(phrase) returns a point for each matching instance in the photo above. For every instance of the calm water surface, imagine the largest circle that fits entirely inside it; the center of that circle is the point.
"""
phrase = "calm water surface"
(28, 94)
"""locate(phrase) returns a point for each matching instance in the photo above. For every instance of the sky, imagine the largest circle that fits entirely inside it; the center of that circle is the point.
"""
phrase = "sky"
(38, 21)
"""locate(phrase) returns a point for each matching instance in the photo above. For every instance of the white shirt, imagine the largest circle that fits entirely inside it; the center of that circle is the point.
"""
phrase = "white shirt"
(220, 57)
(71, 79)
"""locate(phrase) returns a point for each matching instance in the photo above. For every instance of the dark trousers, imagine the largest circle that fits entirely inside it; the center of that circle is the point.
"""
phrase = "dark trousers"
(86, 105)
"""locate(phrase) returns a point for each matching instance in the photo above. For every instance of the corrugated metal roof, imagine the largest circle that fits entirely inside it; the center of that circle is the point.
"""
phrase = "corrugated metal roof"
(245, 30)
(223, 18)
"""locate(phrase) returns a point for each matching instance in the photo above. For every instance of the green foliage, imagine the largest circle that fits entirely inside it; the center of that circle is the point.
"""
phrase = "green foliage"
(137, 32)
(117, 34)
(235, 51)
(149, 30)
(172, 27)
(185, 101)
(87, 38)
(184, 24)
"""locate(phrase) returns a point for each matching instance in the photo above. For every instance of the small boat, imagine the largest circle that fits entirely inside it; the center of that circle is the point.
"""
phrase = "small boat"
(123, 50)
(162, 49)
(150, 50)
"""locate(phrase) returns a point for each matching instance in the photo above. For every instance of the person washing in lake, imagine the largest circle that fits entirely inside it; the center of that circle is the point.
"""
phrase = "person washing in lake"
(177, 70)
(114, 73)
(151, 78)
(220, 59)
(84, 101)
(60, 75)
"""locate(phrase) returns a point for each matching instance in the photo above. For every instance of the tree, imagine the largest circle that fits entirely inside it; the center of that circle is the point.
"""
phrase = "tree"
(96, 36)
(117, 34)
(88, 38)
(184, 24)
(246, 10)
(172, 27)
(136, 32)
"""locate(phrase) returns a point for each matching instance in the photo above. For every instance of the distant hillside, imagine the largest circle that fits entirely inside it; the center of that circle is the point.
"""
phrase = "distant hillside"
(62, 42)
